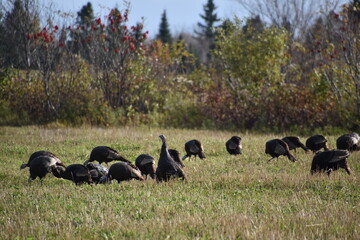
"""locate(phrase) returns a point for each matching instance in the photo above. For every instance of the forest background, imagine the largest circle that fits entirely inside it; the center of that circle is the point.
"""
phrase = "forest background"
(290, 66)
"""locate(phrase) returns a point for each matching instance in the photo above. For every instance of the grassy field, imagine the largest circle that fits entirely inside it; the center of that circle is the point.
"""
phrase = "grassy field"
(225, 197)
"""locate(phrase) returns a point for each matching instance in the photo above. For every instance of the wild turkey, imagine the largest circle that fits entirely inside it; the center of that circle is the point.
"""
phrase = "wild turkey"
(350, 142)
(123, 171)
(105, 154)
(167, 167)
(276, 148)
(146, 165)
(97, 172)
(329, 161)
(233, 145)
(294, 142)
(194, 147)
(316, 142)
(77, 173)
(41, 166)
(176, 156)
(42, 153)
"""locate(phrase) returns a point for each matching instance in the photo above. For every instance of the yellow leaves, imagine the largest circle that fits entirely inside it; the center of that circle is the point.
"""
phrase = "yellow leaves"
(170, 54)
(331, 47)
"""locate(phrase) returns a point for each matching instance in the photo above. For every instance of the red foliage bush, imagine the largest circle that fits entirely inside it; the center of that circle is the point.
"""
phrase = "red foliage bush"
(284, 108)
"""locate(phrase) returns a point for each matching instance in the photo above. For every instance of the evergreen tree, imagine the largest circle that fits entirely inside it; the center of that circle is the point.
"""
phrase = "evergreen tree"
(164, 32)
(85, 19)
(15, 48)
(207, 30)
(138, 30)
(85, 15)
(210, 18)
(354, 10)
(255, 23)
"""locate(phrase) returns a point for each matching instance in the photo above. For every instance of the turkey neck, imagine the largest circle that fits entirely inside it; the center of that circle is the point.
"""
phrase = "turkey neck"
(165, 158)
(121, 158)
(164, 151)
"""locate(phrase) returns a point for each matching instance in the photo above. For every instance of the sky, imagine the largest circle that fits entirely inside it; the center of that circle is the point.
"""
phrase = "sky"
(182, 15)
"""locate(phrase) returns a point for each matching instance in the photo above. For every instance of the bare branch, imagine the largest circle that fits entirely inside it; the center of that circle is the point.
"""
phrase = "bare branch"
(300, 14)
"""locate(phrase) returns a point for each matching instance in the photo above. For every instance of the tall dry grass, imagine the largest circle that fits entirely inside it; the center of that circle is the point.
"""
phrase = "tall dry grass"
(225, 197)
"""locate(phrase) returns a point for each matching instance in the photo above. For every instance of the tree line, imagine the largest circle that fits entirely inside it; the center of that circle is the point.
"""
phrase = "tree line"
(292, 68)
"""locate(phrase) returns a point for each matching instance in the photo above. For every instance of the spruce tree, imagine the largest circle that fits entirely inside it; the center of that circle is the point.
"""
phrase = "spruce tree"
(210, 18)
(256, 25)
(85, 15)
(164, 33)
(85, 19)
(206, 33)
(139, 31)
(354, 10)
(15, 48)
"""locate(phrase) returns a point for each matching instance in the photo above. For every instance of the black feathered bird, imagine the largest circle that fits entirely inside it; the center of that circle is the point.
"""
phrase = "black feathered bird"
(97, 172)
(176, 156)
(146, 165)
(42, 153)
(194, 147)
(41, 166)
(123, 171)
(350, 142)
(105, 154)
(329, 161)
(233, 145)
(167, 167)
(294, 142)
(76, 173)
(316, 142)
(276, 148)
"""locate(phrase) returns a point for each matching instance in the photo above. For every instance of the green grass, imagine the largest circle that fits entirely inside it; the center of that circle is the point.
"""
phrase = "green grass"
(225, 197)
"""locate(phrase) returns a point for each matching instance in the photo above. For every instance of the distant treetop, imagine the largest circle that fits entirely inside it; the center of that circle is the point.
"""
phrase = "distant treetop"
(164, 32)
(210, 18)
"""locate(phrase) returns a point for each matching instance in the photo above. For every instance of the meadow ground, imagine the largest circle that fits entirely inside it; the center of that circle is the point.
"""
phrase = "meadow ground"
(225, 197)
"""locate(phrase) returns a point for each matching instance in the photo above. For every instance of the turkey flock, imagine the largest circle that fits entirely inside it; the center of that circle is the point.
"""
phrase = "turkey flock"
(170, 165)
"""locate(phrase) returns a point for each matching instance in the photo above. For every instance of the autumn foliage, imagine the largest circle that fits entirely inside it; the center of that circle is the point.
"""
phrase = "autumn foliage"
(103, 71)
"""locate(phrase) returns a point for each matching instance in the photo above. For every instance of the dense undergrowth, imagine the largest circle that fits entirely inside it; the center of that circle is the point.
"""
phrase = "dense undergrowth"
(103, 72)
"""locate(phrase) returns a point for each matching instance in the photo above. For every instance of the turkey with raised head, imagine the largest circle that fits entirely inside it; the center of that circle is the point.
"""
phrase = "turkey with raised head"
(41, 166)
(123, 171)
(194, 147)
(146, 165)
(329, 161)
(276, 148)
(294, 142)
(316, 142)
(233, 145)
(167, 167)
(105, 154)
(76, 173)
(350, 142)
(42, 153)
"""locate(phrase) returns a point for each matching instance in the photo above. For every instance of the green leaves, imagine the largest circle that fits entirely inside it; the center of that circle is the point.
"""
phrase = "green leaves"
(251, 58)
